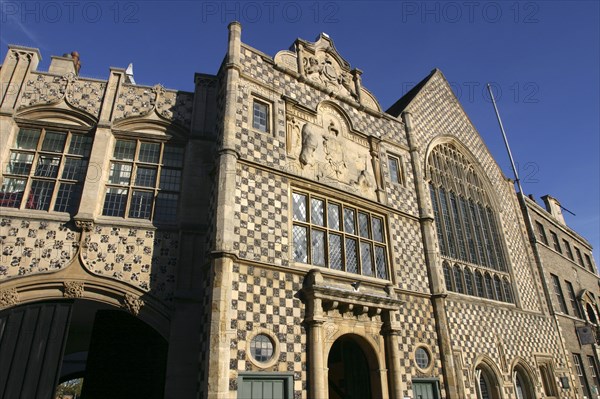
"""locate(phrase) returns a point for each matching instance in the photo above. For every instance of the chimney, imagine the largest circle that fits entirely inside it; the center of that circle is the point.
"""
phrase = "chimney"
(68, 63)
(553, 208)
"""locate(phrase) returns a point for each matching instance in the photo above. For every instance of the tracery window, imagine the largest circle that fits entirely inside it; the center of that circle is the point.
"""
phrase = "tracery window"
(466, 226)
(46, 170)
(332, 234)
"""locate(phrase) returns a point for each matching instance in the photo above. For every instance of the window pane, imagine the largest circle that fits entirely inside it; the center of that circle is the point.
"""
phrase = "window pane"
(141, 204)
(351, 259)
(498, 288)
(40, 195)
(299, 207)
(173, 156)
(479, 285)
(74, 169)
(507, 291)
(380, 262)
(469, 282)
(80, 145)
(377, 229)
(115, 201)
(447, 277)
(394, 170)
(54, 141)
(124, 150)
(316, 212)
(170, 179)
(120, 173)
(365, 259)
(12, 192)
(335, 252)
(166, 207)
(67, 195)
(149, 152)
(300, 244)
(333, 216)
(145, 177)
(488, 287)
(349, 221)
(260, 115)
(318, 247)
(47, 166)
(363, 225)
(20, 163)
(27, 139)
(458, 279)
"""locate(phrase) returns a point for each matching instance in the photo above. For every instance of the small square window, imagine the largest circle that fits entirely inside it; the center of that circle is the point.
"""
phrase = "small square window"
(260, 116)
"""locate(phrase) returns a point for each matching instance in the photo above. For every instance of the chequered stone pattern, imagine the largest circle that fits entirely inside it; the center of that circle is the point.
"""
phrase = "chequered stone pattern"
(176, 106)
(437, 112)
(146, 259)
(267, 299)
(41, 89)
(31, 246)
(418, 314)
(400, 196)
(134, 101)
(475, 328)
(408, 254)
(261, 216)
(86, 95)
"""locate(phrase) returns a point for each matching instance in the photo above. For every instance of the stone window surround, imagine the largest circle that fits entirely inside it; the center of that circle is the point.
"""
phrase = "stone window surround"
(276, 348)
(399, 169)
(255, 97)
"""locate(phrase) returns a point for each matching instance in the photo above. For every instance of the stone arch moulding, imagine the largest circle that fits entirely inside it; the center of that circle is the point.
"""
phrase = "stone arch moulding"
(520, 362)
(153, 126)
(485, 180)
(40, 288)
(49, 115)
(488, 362)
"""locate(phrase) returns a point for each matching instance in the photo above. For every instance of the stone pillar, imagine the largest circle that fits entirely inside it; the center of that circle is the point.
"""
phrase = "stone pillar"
(19, 62)
(317, 372)
(437, 286)
(390, 333)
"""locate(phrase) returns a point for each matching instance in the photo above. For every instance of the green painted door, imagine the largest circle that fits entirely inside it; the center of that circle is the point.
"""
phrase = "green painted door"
(424, 390)
(262, 388)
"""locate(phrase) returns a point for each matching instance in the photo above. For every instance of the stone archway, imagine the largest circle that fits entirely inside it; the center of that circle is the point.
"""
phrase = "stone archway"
(47, 342)
(523, 383)
(353, 371)
(486, 382)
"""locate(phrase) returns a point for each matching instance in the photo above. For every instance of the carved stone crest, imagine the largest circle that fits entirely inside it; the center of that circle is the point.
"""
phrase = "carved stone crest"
(73, 289)
(133, 304)
(9, 297)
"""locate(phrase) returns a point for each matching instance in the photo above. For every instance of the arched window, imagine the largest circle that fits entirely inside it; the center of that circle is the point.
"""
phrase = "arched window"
(489, 290)
(523, 386)
(469, 282)
(448, 277)
(498, 288)
(486, 383)
(458, 281)
(507, 291)
(464, 218)
(479, 284)
(591, 314)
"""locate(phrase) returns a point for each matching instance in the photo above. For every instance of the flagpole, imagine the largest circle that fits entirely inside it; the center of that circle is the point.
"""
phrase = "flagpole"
(512, 161)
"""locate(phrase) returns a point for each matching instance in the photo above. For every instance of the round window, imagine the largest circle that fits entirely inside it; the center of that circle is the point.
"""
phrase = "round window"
(422, 358)
(261, 348)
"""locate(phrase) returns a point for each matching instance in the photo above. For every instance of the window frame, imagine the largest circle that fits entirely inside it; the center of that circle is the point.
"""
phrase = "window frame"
(133, 186)
(541, 233)
(569, 249)
(308, 225)
(573, 300)
(399, 169)
(558, 292)
(580, 372)
(35, 172)
(256, 100)
(555, 242)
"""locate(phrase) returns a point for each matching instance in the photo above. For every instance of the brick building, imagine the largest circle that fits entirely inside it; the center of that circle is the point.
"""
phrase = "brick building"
(274, 233)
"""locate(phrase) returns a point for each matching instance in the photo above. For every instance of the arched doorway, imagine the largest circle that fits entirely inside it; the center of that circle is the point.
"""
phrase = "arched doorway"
(487, 383)
(523, 384)
(352, 370)
(46, 343)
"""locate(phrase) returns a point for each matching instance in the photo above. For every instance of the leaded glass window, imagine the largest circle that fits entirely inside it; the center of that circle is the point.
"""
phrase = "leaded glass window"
(338, 236)
(467, 227)
(46, 170)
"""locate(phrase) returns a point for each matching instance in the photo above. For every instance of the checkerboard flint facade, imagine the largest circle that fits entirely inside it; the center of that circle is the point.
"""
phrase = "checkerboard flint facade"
(240, 262)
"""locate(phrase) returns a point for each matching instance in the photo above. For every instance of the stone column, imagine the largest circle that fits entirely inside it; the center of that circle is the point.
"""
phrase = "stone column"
(390, 334)
(317, 372)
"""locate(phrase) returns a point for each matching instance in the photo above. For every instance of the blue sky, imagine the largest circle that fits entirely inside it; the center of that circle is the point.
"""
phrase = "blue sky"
(542, 57)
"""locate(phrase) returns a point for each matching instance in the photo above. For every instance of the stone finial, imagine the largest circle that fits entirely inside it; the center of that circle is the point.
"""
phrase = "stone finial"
(553, 207)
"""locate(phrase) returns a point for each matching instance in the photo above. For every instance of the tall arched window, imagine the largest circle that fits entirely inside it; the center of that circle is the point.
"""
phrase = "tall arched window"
(465, 220)
(466, 226)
